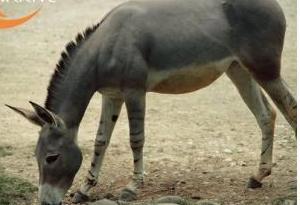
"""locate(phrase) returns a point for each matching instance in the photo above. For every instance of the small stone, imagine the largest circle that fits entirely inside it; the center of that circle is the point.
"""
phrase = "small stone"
(206, 202)
(243, 164)
(285, 201)
(160, 150)
(109, 196)
(239, 151)
(233, 164)
(170, 200)
(181, 182)
(228, 160)
(228, 151)
(168, 204)
(228, 180)
(104, 202)
(196, 196)
(79, 198)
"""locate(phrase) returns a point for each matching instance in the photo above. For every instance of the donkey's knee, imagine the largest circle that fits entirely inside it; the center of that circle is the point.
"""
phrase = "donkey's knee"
(266, 120)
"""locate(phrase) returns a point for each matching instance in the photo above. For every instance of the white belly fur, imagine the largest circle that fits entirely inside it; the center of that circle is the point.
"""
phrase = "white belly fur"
(186, 79)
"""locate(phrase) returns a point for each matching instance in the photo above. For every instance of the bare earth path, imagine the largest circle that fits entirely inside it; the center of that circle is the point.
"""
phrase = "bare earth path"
(203, 145)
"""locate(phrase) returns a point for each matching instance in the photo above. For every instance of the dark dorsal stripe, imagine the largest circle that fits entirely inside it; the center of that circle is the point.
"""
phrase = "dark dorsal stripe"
(62, 66)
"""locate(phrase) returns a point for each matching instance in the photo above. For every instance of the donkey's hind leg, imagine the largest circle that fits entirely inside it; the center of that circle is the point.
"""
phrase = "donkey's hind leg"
(282, 97)
(111, 108)
(264, 114)
(266, 68)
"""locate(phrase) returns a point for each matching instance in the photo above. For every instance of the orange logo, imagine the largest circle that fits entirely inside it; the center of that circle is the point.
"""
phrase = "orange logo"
(6, 22)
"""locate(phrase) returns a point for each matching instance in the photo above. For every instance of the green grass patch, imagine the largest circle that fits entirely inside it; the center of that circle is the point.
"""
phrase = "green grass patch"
(15, 191)
(5, 151)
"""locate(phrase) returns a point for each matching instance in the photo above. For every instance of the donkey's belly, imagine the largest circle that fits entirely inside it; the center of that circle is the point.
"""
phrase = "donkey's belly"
(186, 79)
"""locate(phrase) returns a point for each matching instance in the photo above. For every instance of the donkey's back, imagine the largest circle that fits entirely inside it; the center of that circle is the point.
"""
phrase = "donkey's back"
(177, 46)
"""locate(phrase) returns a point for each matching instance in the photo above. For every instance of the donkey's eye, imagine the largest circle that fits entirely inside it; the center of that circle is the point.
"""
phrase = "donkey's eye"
(51, 158)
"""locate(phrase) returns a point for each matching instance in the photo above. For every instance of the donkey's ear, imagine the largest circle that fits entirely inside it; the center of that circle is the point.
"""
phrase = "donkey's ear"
(29, 115)
(46, 115)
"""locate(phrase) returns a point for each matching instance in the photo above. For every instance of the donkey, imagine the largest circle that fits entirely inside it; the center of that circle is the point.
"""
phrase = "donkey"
(163, 46)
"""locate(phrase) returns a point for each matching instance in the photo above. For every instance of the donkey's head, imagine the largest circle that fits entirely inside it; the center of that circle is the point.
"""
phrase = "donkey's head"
(57, 154)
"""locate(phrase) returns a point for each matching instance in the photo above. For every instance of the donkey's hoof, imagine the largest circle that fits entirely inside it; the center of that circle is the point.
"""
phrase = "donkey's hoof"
(79, 197)
(253, 183)
(128, 195)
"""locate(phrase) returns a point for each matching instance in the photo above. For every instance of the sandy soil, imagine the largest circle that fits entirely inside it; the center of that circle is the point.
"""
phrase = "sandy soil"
(188, 136)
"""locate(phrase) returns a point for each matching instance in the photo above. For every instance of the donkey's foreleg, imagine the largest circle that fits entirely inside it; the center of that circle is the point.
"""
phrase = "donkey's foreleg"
(135, 104)
(282, 97)
(111, 108)
(264, 114)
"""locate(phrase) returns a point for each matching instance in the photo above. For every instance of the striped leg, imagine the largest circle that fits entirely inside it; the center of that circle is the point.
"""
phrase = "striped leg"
(264, 114)
(135, 104)
(111, 108)
(282, 97)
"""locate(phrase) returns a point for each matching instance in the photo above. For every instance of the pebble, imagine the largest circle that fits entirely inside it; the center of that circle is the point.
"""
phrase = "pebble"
(167, 204)
(104, 202)
(196, 196)
(109, 196)
(228, 151)
(167, 200)
(243, 164)
(228, 160)
(206, 202)
(171, 200)
(284, 202)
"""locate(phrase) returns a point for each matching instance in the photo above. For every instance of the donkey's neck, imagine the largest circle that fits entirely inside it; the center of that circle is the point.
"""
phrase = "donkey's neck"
(74, 81)
(77, 90)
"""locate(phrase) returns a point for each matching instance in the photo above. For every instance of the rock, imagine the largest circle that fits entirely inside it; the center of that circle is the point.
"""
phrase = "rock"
(79, 198)
(243, 164)
(160, 150)
(206, 202)
(190, 142)
(228, 160)
(228, 151)
(109, 196)
(171, 200)
(196, 196)
(285, 201)
(104, 202)
(164, 204)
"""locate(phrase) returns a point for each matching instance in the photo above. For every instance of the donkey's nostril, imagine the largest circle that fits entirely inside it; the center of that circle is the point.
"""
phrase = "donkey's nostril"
(51, 158)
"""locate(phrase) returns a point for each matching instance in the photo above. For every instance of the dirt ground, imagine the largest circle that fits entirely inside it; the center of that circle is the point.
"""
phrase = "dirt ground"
(202, 145)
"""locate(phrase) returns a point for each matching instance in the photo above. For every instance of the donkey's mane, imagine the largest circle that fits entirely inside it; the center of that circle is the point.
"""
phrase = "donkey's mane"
(62, 66)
